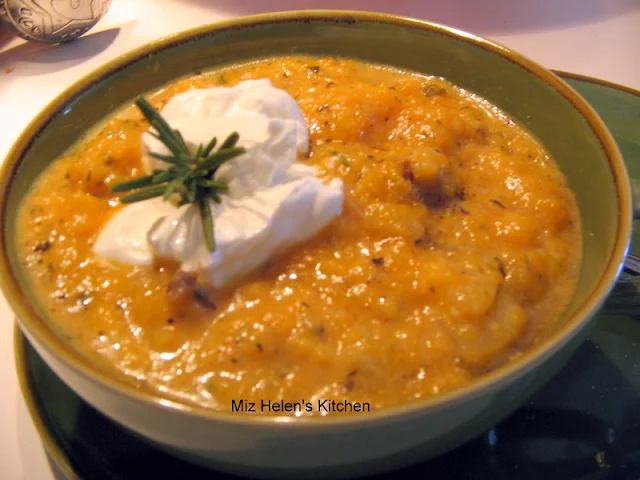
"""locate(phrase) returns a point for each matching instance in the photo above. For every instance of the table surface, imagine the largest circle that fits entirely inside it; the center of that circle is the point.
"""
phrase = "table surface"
(600, 38)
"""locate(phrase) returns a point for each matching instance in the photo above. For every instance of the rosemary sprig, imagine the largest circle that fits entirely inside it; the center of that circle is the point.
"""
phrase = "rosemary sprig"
(191, 175)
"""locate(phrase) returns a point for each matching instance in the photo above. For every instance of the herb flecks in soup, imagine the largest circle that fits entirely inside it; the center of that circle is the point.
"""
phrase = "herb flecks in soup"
(457, 249)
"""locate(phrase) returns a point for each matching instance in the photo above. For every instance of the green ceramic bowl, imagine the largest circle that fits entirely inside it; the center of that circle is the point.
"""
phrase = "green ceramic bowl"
(356, 444)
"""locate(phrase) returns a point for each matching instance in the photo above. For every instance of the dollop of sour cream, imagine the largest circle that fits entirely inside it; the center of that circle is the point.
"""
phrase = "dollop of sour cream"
(273, 202)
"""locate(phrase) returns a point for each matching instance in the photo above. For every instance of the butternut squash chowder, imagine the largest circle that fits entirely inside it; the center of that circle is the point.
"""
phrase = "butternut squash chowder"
(457, 248)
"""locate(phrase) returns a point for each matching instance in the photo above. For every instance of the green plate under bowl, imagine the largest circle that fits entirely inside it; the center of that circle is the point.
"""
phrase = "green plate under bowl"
(585, 424)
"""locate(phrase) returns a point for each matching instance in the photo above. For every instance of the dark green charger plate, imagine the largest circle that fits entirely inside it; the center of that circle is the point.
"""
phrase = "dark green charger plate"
(585, 424)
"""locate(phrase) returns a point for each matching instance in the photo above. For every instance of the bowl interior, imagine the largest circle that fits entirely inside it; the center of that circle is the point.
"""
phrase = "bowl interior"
(485, 70)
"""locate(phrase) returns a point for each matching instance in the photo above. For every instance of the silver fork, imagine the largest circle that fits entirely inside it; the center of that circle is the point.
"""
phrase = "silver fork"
(624, 299)
(632, 264)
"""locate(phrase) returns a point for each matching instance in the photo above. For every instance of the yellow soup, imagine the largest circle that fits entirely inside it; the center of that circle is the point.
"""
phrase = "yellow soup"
(457, 250)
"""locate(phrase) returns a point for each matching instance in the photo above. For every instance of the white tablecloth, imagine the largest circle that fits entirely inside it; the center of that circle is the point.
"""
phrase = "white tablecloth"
(600, 38)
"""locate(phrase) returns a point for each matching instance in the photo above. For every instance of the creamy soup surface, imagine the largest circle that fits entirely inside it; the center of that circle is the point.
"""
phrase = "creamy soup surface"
(458, 248)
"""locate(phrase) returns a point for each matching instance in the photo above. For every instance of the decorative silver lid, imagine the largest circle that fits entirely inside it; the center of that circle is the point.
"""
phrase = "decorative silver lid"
(52, 21)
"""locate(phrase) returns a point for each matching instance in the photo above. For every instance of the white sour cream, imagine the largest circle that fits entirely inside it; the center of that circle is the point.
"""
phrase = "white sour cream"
(273, 201)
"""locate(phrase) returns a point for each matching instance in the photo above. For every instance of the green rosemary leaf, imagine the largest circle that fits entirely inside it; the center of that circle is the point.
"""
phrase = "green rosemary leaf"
(173, 159)
(170, 143)
(166, 134)
(214, 160)
(180, 170)
(210, 146)
(171, 189)
(144, 194)
(154, 118)
(133, 184)
(192, 190)
(207, 223)
(198, 152)
(231, 141)
(162, 176)
(181, 141)
(217, 184)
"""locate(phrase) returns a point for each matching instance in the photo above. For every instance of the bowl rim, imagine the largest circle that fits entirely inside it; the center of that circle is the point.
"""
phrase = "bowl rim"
(37, 329)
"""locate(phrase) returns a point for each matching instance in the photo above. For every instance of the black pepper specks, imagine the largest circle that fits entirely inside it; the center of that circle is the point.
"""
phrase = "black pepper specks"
(425, 240)
(501, 268)
(203, 297)
(434, 91)
(350, 383)
(43, 246)
(318, 330)
(378, 261)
